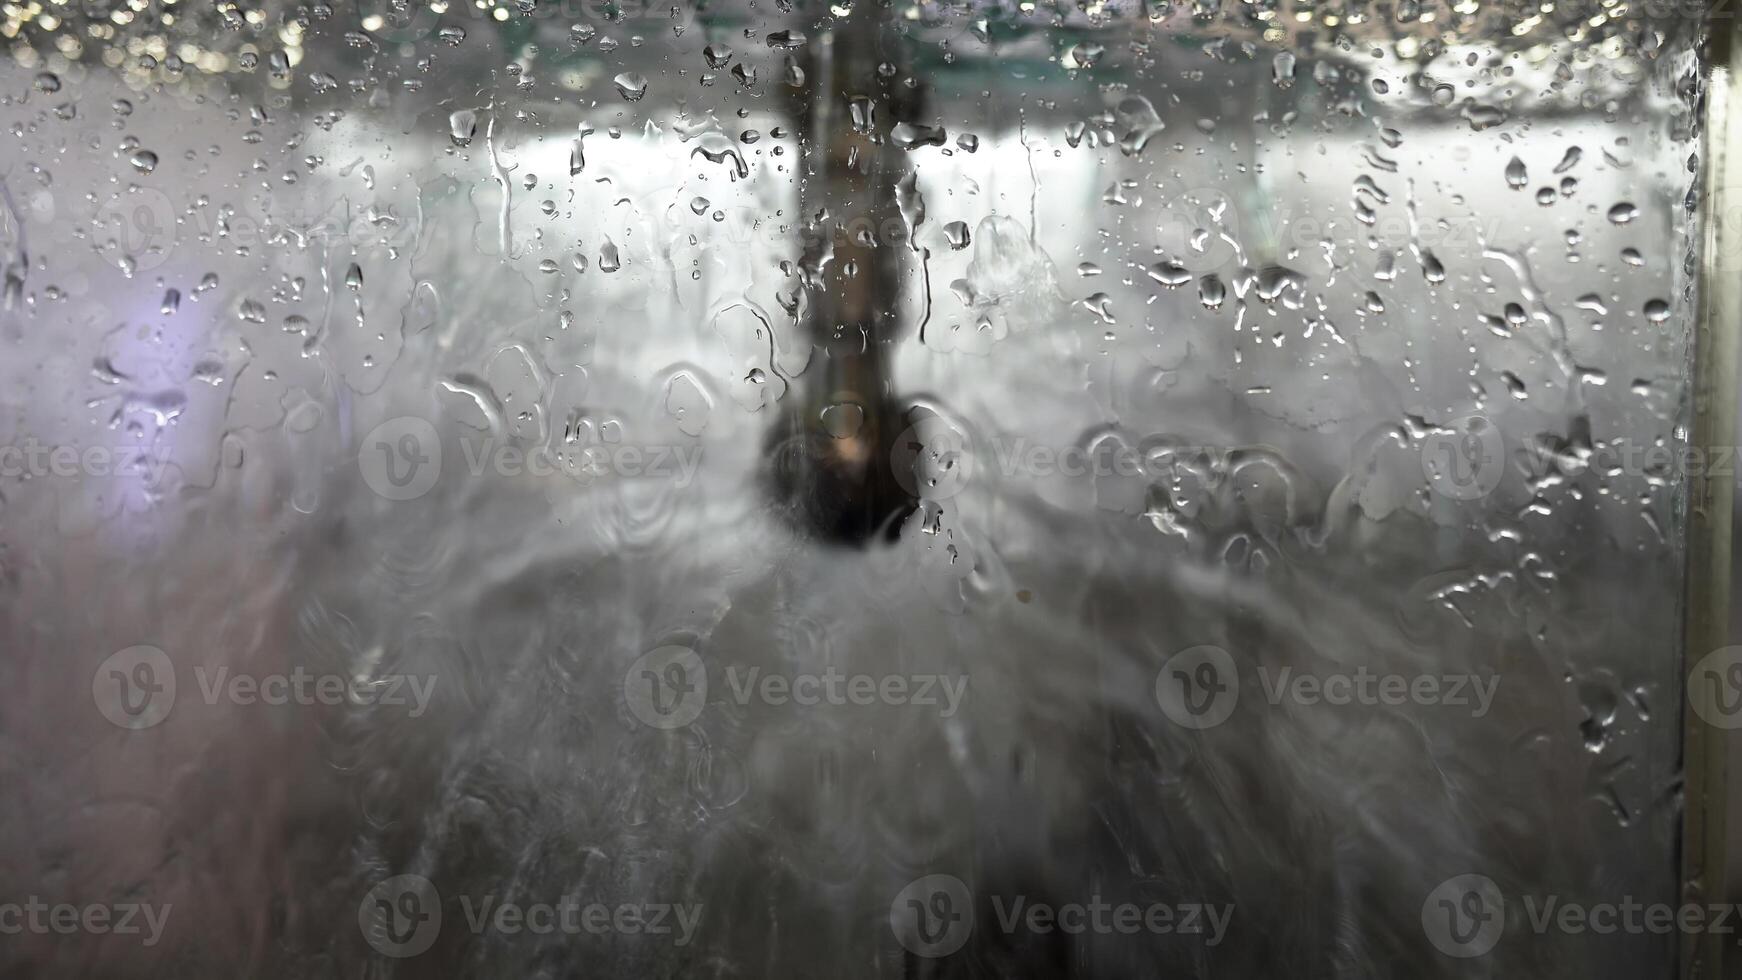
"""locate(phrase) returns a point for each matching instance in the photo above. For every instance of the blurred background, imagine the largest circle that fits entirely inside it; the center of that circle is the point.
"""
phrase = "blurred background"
(428, 429)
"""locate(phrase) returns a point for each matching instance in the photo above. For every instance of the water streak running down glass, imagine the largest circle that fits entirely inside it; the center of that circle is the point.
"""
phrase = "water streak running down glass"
(876, 489)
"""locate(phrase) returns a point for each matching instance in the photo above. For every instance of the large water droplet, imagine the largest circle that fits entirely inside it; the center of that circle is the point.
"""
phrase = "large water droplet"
(1516, 177)
(462, 125)
(631, 85)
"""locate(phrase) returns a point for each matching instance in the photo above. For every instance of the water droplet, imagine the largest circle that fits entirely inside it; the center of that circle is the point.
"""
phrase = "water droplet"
(1282, 69)
(1482, 117)
(1211, 292)
(1516, 177)
(631, 85)
(908, 135)
(1087, 53)
(1170, 274)
(1431, 269)
(577, 155)
(716, 148)
(1142, 124)
(462, 125)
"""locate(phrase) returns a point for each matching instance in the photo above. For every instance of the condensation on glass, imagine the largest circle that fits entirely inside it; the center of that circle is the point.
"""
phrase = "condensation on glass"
(848, 477)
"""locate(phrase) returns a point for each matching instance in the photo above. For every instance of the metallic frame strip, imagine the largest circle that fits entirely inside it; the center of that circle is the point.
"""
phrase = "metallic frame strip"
(1709, 525)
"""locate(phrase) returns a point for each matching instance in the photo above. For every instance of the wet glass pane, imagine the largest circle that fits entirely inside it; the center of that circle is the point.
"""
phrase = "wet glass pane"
(885, 489)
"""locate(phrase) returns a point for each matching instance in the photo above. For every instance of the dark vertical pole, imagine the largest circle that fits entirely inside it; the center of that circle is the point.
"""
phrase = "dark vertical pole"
(831, 458)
